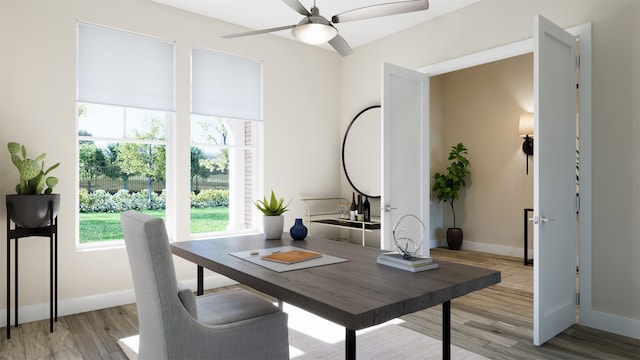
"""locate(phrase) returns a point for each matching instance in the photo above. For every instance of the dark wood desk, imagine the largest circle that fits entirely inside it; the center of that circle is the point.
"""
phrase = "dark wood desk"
(355, 294)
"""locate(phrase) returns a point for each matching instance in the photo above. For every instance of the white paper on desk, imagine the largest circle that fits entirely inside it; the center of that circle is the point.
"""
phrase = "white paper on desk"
(256, 258)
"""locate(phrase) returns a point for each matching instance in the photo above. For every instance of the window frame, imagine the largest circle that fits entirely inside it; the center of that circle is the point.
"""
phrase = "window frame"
(168, 143)
(256, 176)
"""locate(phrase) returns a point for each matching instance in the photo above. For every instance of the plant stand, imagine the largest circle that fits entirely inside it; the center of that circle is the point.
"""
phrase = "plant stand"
(50, 231)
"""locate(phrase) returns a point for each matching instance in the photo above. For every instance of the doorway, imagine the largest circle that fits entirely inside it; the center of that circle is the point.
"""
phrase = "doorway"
(507, 51)
(480, 106)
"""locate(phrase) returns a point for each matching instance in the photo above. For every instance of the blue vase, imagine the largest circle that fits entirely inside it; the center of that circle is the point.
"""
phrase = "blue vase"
(298, 231)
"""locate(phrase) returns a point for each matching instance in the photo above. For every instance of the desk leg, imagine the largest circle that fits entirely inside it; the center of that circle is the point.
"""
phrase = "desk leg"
(200, 281)
(350, 344)
(446, 330)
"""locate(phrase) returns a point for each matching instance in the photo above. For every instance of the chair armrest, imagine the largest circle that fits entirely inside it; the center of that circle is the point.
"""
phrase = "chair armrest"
(188, 300)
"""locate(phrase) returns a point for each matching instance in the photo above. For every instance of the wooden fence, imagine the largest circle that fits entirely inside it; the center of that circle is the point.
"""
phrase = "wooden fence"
(135, 183)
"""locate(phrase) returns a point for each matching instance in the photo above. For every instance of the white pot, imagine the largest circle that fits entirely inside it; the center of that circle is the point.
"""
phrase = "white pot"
(273, 226)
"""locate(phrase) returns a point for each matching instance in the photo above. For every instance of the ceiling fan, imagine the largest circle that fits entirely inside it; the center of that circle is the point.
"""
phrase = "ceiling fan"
(315, 29)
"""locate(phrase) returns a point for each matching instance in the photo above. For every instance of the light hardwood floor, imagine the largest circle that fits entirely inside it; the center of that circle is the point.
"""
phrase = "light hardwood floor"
(494, 322)
(497, 322)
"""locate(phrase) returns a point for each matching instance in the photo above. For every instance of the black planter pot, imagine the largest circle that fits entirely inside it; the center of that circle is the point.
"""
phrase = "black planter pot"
(454, 238)
(32, 211)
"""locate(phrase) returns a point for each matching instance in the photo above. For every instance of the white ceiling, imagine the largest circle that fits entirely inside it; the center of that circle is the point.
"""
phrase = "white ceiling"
(263, 14)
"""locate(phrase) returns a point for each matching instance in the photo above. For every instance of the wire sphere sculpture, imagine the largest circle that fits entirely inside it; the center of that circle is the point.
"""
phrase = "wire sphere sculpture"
(408, 244)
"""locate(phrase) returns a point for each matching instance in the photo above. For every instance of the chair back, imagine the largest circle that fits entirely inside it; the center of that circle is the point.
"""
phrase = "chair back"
(154, 278)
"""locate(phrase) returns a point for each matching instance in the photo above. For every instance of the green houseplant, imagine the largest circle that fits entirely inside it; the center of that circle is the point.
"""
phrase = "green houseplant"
(29, 207)
(273, 220)
(447, 186)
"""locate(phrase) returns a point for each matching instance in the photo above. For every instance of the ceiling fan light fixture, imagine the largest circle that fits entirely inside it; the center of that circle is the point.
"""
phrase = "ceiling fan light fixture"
(314, 33)
(314, 29)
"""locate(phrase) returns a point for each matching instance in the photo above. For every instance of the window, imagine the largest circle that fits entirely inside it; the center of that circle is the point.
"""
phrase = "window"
(222, 171)
(122, 166)
(125, 108)
(125, 103)
(225, 130)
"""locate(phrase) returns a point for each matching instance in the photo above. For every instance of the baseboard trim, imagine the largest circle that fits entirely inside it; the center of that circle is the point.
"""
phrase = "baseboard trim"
(494, 249)
(486, 248)
(611, 323)
(36, 312)
(436, 243)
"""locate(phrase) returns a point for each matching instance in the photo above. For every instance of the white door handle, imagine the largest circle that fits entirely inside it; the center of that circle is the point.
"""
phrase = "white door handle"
(388, 208)
(537, 220)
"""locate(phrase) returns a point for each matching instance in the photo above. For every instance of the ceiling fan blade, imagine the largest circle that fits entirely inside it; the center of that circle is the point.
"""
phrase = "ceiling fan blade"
(379, 10)
(299, 8)
(341, 45)
(256, 32)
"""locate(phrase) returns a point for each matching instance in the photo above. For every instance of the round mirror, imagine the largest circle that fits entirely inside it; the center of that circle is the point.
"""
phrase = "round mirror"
(361, 157)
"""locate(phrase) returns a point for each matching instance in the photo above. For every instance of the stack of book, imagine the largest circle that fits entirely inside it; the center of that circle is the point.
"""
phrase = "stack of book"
(415, 264)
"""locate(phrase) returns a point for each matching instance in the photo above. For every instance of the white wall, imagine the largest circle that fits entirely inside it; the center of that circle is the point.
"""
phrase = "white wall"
(491, 23)
(37, 108)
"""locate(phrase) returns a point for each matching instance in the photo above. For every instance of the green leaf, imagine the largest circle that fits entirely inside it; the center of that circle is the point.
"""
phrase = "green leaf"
(13, 147)
(446, 186)
(32, 174)
(272, 207)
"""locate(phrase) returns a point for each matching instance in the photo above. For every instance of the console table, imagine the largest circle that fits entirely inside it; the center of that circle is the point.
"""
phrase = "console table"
(50, 231)
(326, 213)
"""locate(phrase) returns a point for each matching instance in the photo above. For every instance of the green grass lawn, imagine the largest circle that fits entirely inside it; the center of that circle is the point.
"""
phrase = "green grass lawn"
(106, 226)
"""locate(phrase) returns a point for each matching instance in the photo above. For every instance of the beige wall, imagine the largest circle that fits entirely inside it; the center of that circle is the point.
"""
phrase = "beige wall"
(37, 108)
(491, 23)
(481, 107)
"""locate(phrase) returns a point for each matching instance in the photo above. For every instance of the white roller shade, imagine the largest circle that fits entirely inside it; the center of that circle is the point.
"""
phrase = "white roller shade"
(225, 85)
(125, 69)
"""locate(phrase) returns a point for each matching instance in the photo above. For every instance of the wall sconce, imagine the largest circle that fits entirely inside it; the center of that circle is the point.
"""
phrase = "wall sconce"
(526, 132)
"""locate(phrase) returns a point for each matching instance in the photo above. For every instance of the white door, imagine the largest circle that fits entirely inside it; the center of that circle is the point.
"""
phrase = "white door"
(405, 151)
(554, 186)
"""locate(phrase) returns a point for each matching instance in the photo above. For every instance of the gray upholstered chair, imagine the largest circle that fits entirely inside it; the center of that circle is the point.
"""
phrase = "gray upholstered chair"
(174, 324)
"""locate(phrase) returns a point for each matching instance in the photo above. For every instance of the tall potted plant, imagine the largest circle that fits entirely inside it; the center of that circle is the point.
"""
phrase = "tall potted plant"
(30, 206)
(446, 188)
(273, 220)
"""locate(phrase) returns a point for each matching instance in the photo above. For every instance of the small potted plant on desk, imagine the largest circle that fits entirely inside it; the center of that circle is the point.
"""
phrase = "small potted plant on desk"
(273, 220)
(447, 186)
(34, 199)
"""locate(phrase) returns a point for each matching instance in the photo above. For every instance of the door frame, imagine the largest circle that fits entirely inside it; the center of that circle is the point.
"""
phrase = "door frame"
(587, 316)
